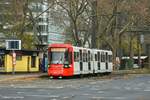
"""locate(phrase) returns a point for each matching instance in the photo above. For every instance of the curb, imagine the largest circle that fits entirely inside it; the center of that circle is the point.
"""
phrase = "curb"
(135, 71)
(26, 76)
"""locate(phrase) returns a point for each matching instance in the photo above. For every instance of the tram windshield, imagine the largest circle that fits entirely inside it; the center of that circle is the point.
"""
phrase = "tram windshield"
(59, 56)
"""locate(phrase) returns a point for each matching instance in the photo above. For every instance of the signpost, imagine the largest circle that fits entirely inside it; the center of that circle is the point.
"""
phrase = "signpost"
(13, 62)
(13, 45)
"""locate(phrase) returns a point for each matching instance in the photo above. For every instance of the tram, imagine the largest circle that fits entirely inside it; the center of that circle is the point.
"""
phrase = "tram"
(67, 60)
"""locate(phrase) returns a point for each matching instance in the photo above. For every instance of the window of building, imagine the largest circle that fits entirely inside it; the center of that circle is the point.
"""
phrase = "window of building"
(18, 57)
(33, 61)
(44, 38)
(2, 59)
(42, 19)
(43, 28)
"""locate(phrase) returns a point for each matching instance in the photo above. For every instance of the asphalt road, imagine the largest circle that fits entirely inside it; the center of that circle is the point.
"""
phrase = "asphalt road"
(128, 87)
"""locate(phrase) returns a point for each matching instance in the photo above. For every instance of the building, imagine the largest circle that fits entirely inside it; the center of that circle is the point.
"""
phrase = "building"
(55, 35)
(42, 22)
(43, 28)
(48, 32)
(8, 19)
(26, 61)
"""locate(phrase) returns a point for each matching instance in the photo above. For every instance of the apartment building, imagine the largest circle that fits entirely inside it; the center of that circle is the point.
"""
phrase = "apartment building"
(46, 32)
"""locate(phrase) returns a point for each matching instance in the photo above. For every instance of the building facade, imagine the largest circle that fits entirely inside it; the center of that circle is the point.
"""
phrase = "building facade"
(47, 32)
(41, 20)
(44, 29)
(26, 61)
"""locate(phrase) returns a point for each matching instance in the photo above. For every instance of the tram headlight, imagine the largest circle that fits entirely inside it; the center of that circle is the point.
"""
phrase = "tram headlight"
(66, 66)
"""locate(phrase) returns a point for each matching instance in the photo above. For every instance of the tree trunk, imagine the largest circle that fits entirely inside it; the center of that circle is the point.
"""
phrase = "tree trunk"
(114, 58)
(94, 24)
(131, 53)
(76, 35)
(149, 56)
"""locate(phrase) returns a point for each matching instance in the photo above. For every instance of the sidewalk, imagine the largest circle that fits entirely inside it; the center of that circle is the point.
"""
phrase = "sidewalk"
(16, 76)
(133, 71)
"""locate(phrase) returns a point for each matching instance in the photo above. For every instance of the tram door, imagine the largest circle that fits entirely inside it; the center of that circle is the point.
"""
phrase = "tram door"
(106, 60)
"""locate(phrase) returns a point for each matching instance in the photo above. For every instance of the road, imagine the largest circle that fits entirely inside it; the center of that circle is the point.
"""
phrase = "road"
(126, 87)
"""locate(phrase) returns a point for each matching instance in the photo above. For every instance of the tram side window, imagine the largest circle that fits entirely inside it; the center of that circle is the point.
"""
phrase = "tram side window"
(84, 57)
(106, 55)
(76, 56)
(67, 57)
(102, 57)
(98, 56)
(80, 55)
(49, 57)
(89, 56)
(70, 57)
(95, 57)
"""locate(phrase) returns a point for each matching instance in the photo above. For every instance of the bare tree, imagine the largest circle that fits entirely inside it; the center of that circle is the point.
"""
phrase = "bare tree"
(74, 9)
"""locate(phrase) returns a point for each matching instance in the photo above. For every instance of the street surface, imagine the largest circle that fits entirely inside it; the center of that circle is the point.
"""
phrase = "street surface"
(124, 87)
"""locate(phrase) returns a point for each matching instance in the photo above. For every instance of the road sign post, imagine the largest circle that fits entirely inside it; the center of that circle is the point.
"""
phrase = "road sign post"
(13, 62)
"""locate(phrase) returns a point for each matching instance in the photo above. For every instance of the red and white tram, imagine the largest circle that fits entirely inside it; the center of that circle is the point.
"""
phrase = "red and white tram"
(68, 60)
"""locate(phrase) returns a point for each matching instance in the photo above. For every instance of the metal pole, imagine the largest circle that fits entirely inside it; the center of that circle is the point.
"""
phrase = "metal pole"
(149, 56)
(139, 51)
(13, 61)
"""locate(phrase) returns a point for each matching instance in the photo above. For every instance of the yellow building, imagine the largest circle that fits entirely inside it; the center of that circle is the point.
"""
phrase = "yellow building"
(26, 61)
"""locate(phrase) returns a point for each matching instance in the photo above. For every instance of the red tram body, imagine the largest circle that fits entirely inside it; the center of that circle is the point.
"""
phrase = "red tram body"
(68, 60)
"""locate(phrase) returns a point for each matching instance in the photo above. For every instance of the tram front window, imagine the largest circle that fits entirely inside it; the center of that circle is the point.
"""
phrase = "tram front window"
(59, 57)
